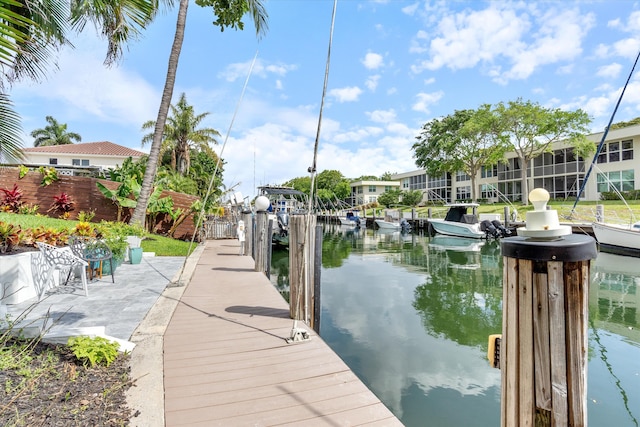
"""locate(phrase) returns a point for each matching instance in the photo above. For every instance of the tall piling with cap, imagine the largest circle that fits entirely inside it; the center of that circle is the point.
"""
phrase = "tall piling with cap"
(543, 349)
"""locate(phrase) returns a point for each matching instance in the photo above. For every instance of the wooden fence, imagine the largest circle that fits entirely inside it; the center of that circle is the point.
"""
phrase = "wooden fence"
(86, 197)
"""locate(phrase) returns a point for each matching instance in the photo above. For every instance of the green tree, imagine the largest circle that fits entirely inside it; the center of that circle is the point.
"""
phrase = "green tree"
(411, 198)
(531, 129)
(182, 134)
(461, 142)
(54, 134)
(390, 197)
(335, 183)
(302, 183)
(10, 132)
(386, 176)
(229, 13)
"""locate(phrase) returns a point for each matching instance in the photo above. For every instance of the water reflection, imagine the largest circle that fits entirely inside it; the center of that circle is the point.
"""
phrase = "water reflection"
(411, 316)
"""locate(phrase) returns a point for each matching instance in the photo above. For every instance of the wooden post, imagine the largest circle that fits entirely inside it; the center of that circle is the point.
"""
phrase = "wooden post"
(317, 268)
(248, 230)
(544, 331)
(301, 267)
(506, 214)
(262, 241)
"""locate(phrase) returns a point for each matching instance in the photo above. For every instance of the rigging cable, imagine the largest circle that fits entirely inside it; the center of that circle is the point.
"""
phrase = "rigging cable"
(215, 171)
(604, 137)
(312, 172)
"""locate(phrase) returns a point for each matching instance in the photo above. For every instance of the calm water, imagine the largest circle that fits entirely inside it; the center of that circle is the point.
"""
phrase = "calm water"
(410, 315)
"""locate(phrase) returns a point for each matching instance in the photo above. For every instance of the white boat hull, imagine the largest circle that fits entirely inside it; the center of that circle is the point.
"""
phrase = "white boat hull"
(387, 225)
(617, 239)
(460, 229)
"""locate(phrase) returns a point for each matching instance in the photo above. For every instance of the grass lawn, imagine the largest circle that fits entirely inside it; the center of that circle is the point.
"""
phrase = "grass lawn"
(162, 246)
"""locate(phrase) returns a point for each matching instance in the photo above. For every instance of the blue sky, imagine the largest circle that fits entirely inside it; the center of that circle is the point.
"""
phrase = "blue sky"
(395, 65)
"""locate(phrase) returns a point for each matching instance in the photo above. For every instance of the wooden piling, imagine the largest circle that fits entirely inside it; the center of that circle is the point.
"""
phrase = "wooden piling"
(248, 233)
(302, 230)
(544, 331)
(262, 241)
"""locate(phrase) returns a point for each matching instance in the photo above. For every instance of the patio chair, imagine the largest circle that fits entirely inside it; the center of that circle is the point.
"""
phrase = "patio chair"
(64, 261)
(95, 252)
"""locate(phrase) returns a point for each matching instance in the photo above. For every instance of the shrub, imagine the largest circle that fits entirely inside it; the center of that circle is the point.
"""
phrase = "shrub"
(62, 204)
(93, 351)
(9, 236)
(12, 199)
(86, 216)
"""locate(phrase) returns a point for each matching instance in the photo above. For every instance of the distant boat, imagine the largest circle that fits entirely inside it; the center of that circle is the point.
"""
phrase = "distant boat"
(283, 202)
(618, 239)
(458, 222)
(401, 225)
(350, 220)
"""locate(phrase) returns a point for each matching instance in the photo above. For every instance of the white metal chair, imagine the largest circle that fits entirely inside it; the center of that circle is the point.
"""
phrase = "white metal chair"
(62, 260)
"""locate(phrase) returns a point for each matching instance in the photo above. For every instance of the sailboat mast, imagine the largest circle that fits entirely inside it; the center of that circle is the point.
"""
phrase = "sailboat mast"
(604, 136)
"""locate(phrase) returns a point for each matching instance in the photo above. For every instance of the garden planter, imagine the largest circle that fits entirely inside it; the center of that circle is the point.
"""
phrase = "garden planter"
(106, 266)
(135, 255)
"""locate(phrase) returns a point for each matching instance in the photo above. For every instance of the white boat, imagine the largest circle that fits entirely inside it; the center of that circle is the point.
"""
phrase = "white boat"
(388, 224)
(350, 220)
(618, 239)
(458, 222)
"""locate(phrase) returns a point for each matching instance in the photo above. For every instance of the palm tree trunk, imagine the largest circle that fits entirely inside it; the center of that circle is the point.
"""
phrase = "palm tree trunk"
(138, 216)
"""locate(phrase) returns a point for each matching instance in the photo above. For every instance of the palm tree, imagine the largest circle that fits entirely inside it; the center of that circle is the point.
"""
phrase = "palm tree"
(54, 134)
(181, 134)
(229, 14)
(32, 31)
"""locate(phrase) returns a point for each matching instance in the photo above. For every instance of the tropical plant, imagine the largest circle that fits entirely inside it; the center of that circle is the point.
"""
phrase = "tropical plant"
(12, 199)
(49, 175)
(93, 351)
(124, 196)
(62, 204)
(390, 197)
(411, 198)
(9, 236)
(54, 134)
(229, 14)
(33, 31)
(22, 171)
(28, 209)
(84, 216)
(181, 134)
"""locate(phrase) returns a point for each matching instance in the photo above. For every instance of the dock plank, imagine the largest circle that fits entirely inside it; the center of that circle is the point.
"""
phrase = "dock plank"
(227, 362)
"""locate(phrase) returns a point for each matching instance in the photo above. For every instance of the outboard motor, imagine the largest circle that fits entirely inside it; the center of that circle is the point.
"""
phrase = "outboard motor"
(404, 225)
(489, 229)
(503, 230)
(283, 223)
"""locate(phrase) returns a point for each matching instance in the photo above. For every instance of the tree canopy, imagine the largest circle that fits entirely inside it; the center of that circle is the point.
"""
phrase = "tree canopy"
(463, 141)
(530, 129)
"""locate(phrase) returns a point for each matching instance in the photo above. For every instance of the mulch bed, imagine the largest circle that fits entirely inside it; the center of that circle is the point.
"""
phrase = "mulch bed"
(67, 395)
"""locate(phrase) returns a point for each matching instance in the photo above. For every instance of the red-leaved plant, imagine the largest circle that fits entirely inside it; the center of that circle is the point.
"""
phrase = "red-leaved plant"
(62, 204)
(12, 199)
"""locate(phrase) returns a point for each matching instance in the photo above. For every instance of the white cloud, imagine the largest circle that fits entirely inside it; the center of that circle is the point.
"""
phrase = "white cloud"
(609, 71)
(372, 61)
(372, 82)
(346, 94)
(425, 100)
(240, 70)
(380, 116)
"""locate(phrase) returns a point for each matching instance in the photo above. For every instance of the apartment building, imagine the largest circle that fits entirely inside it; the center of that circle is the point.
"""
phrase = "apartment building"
(560, 172)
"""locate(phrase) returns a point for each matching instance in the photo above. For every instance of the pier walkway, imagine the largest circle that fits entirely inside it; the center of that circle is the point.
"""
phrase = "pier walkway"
(226, 361)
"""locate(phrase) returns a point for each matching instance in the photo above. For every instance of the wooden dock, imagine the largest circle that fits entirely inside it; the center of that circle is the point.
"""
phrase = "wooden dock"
(227, 362)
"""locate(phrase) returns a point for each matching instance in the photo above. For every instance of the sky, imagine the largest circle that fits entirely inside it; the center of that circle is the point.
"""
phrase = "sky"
(394, 65)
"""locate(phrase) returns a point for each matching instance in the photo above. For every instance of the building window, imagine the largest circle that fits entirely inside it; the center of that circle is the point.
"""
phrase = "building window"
(627, 150)
(53, 161)
(462, 176)
(463, 193)
(614, 152)
(488, 192)
(405, 183)
(360, 190)
(372, 189)
(80, 162)
(618, 180)
(388, 188)
(489, 171)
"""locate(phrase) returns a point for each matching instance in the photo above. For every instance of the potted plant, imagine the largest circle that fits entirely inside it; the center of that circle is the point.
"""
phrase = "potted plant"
(118, 246)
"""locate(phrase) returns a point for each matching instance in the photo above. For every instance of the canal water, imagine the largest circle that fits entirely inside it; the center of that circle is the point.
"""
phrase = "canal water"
(411, 314)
